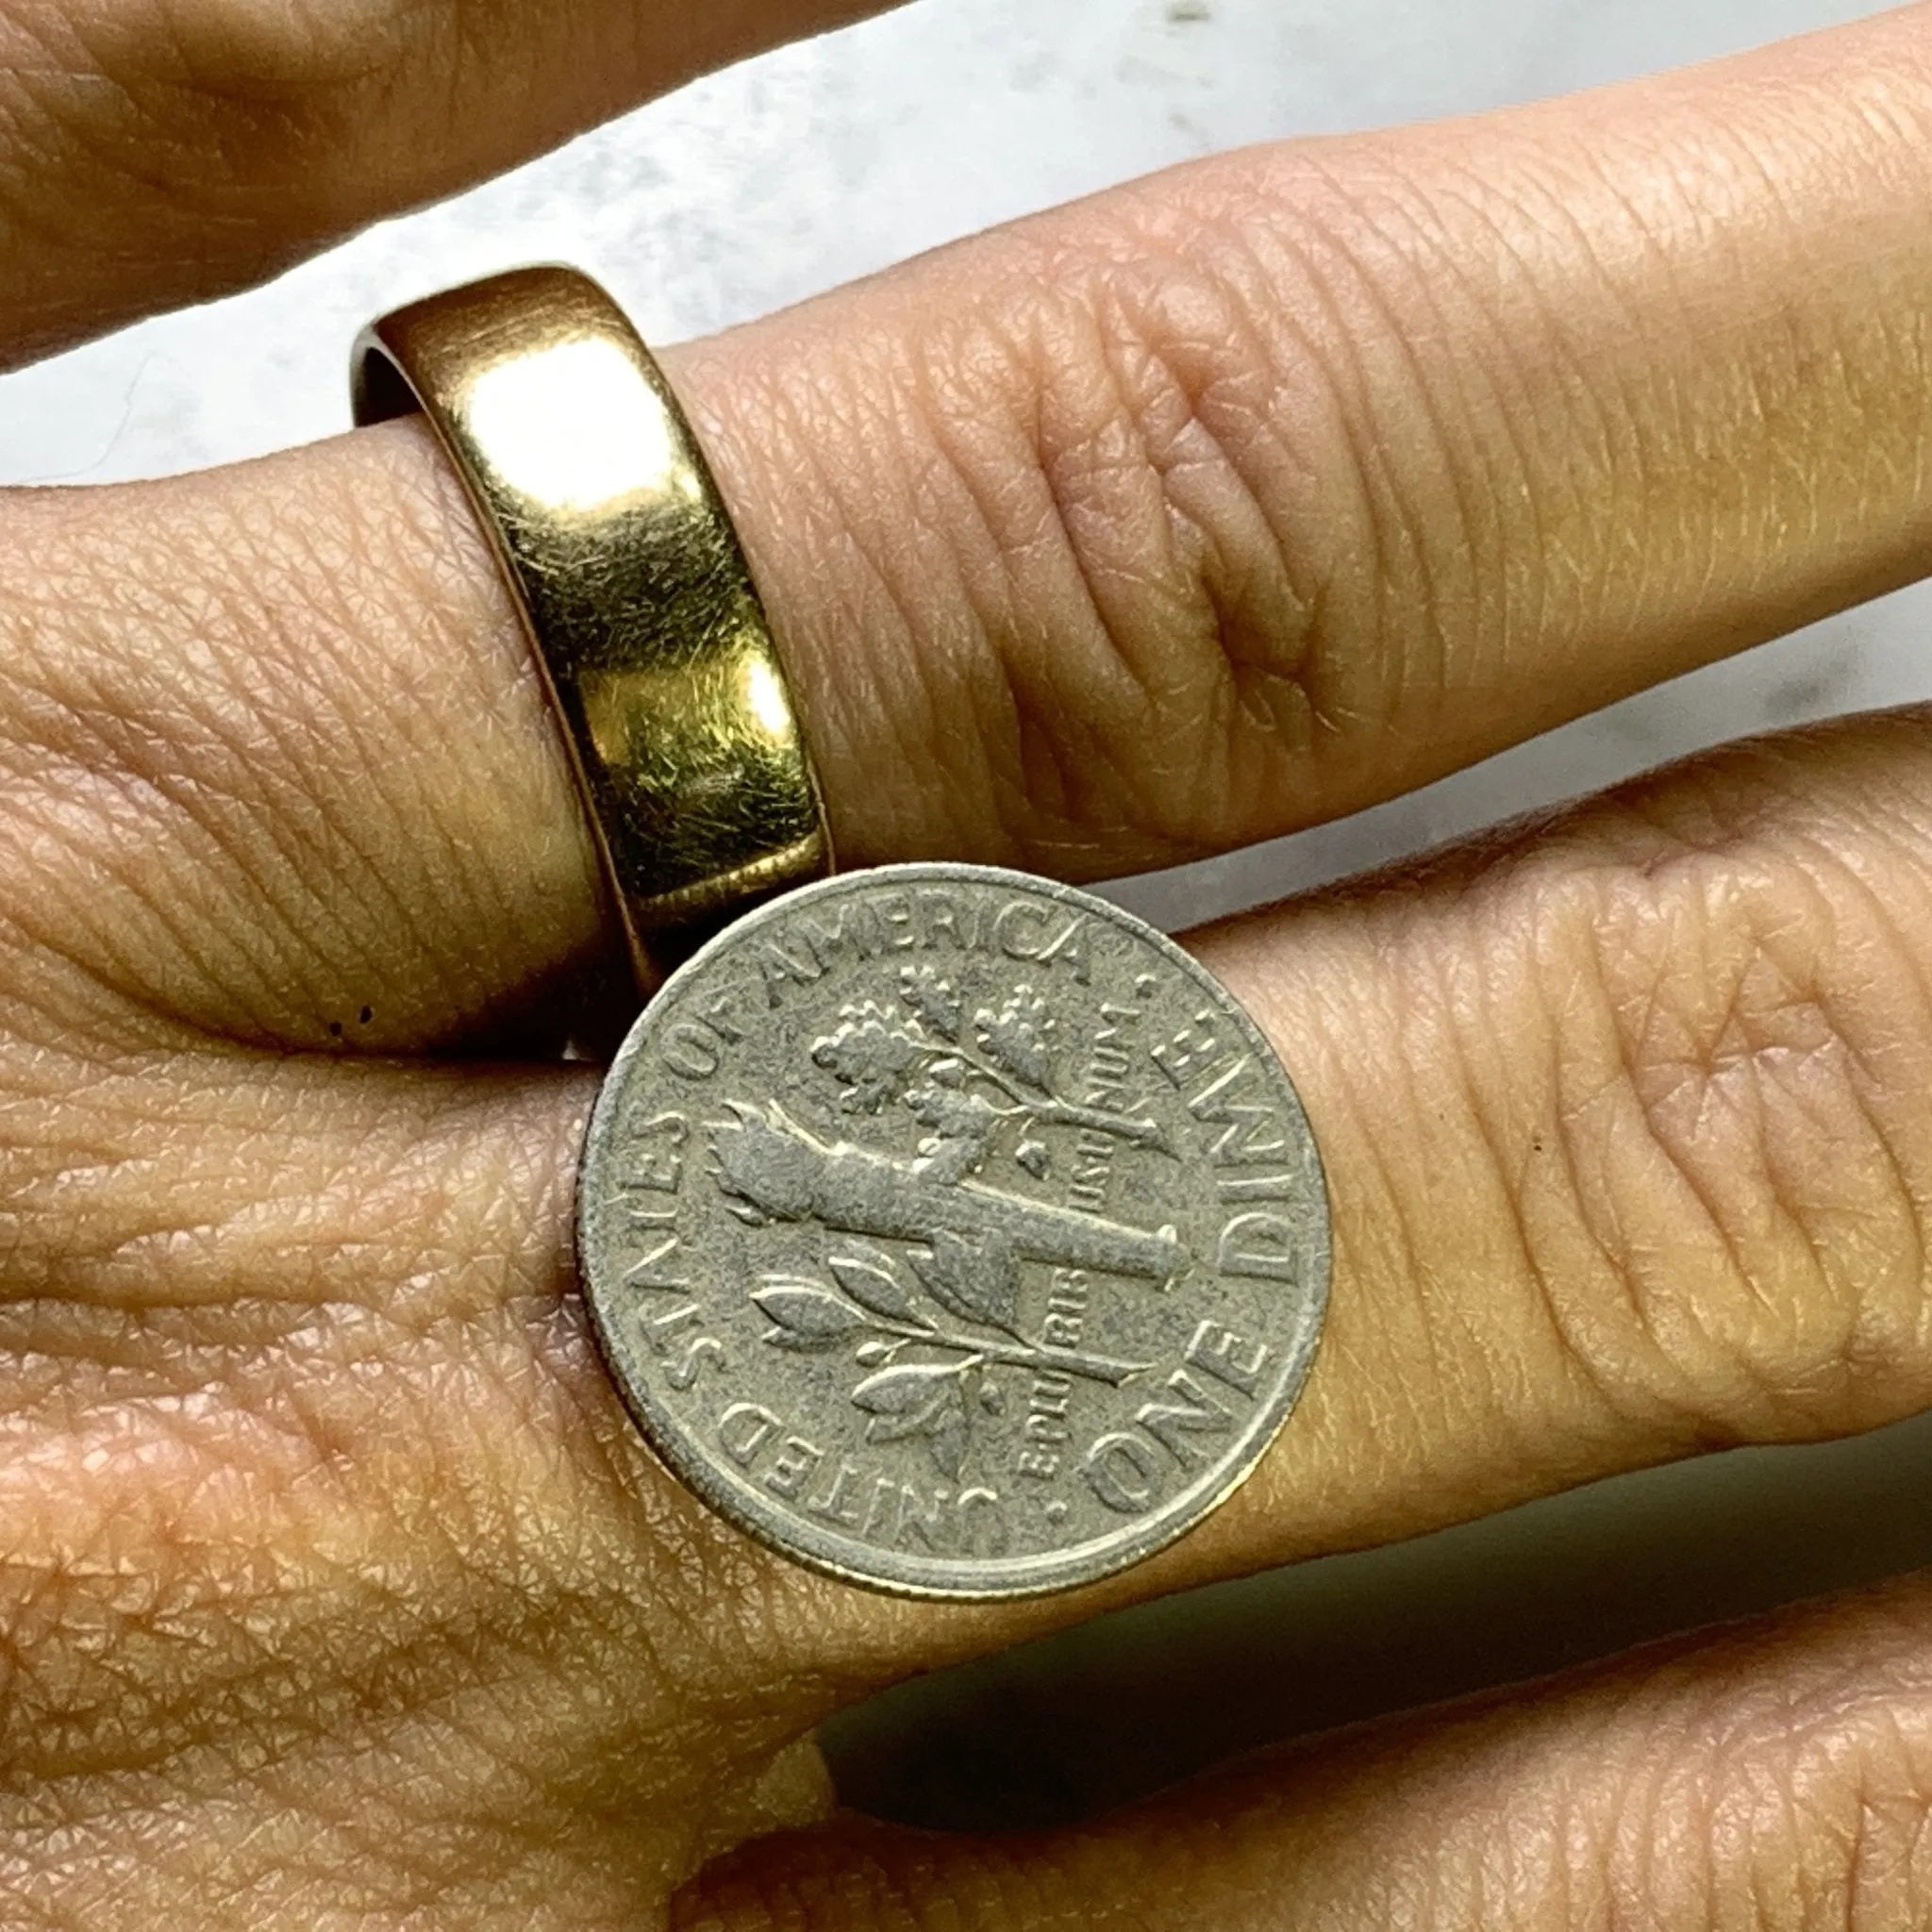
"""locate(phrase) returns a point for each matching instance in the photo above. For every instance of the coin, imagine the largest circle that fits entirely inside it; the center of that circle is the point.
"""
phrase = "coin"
(953, 1231)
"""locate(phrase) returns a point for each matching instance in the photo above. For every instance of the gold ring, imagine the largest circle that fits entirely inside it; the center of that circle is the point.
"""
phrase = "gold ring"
(623, 561)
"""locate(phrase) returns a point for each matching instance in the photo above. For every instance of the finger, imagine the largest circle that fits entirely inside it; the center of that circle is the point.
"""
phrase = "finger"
(1166, 523)
(153, 153)
(1625, 1137)
(1773, 1779)
(1281, 484)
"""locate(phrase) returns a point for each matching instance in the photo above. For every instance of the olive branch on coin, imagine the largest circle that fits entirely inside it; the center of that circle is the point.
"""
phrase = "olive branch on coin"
(879, 1309)
(971, 1086)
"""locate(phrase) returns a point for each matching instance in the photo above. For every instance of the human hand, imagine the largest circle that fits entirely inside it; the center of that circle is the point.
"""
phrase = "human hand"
(337, 1586)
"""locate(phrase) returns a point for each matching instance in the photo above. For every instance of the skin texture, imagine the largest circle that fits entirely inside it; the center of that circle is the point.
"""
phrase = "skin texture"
(335, 1589)
(163, 151)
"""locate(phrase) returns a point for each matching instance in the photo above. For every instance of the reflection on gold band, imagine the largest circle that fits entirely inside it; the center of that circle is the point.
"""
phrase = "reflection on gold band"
(629, 577)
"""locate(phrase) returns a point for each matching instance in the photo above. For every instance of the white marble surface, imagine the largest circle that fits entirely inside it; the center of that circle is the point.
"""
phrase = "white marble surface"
(826, 160)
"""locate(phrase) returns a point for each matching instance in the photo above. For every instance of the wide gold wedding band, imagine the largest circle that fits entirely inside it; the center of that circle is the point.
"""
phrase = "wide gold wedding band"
(636, 595)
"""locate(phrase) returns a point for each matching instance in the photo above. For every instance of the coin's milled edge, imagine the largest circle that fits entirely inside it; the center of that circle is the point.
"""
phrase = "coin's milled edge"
(960, 1579)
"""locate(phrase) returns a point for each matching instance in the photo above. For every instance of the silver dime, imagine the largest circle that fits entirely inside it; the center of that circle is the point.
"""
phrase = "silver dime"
(953, 1231)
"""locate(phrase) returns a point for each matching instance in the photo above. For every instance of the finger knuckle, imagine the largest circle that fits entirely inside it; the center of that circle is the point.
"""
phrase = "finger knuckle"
(1159, 466)
(1166, 454)
(1739, 1127)
(1273, 429)
(1788, 1797)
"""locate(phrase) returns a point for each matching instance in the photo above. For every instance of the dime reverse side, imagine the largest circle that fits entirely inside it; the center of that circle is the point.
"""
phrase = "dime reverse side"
(953, 1231)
